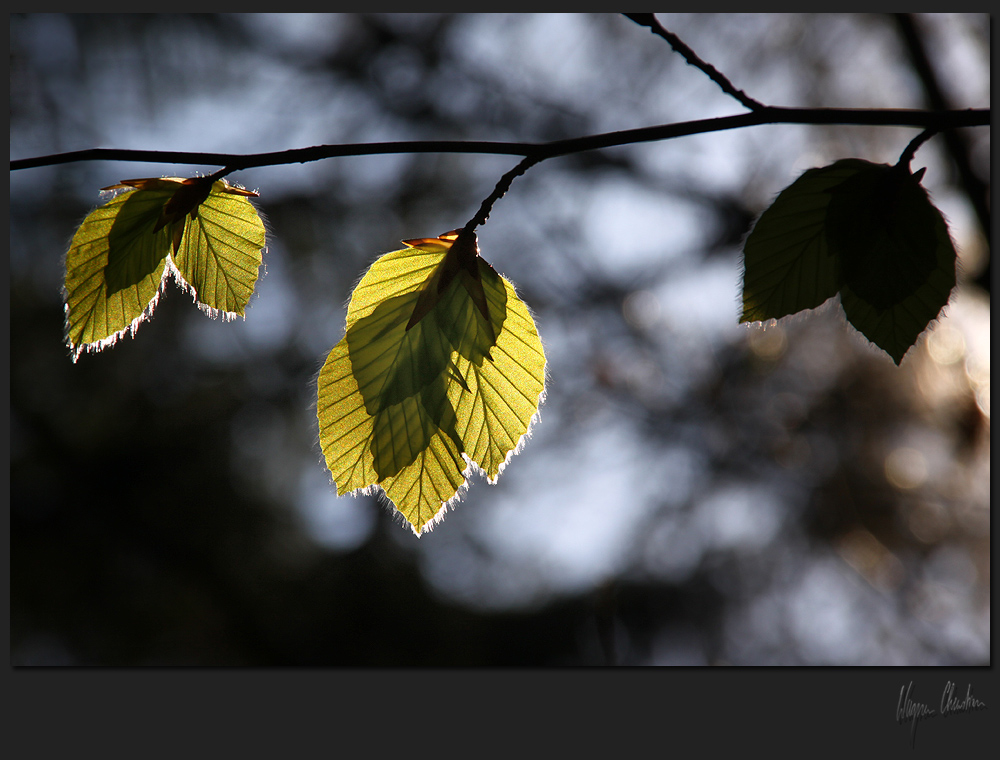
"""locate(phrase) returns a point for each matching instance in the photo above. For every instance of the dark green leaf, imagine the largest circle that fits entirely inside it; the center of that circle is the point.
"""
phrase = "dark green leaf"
(895, 327)
(867, 231)
(787, 263)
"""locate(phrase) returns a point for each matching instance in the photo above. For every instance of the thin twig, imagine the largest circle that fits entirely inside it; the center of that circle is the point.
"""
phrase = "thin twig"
(648, 19)
(940, 120)
(239, 161)
(499, 191)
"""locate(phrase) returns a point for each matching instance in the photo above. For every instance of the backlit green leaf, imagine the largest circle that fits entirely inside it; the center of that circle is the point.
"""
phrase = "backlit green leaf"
(220, 252)
(207, 234)
(439, 374)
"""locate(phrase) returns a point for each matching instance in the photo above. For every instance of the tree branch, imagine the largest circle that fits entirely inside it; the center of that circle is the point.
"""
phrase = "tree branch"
(679, 46)
(937, 120)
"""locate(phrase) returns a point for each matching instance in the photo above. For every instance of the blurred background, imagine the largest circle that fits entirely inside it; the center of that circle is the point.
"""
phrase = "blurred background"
(697, 492)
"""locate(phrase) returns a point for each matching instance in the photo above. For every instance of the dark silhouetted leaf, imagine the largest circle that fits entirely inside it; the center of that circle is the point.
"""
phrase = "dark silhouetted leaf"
(787, 262)
(917, 263)
(867, 231)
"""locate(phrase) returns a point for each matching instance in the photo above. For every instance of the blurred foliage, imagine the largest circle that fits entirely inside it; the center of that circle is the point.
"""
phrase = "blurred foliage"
(769, 496)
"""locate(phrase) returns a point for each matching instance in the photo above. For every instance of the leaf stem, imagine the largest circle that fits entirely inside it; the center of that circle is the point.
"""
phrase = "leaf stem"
(911, 150)
(499, 191)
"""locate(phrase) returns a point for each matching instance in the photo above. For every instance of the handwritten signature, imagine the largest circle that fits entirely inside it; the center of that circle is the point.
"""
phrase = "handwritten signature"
(909, 710)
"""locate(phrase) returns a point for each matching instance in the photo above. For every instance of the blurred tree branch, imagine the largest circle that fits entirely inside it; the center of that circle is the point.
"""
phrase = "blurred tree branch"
(956, 145)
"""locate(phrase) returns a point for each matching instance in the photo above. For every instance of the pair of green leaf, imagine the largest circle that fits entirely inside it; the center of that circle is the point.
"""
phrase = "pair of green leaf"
(866, 231)
(207, 234)
(439, 374)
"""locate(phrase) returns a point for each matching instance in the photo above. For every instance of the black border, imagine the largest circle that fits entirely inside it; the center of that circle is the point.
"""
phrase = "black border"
(483, 713)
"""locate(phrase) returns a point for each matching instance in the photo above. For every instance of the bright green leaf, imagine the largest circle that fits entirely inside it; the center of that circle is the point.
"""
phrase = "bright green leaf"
(439, 374)
(114, 269)
(220, 253)
(207, 234)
